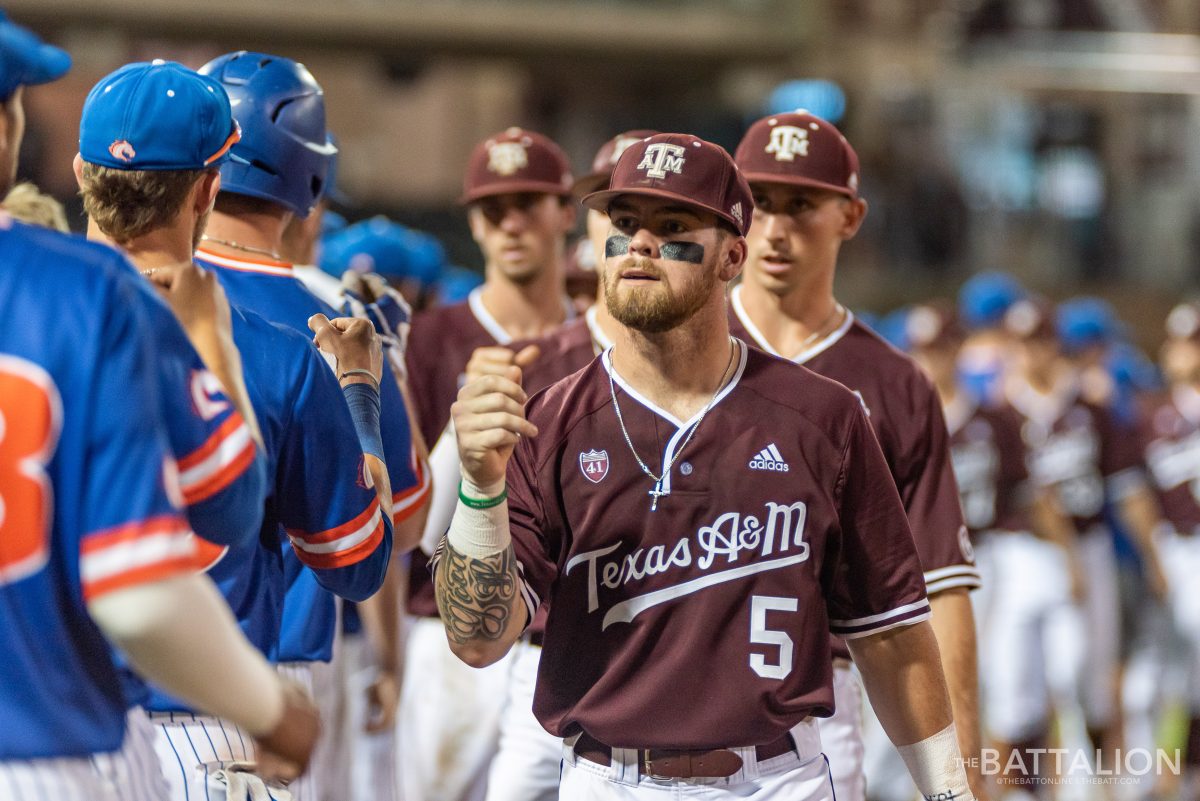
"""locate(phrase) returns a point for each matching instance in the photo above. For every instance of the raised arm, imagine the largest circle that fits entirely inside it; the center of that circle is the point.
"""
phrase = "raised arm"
(475, 572)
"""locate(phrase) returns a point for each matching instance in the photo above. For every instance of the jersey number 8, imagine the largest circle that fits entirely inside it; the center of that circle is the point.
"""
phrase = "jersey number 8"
(30, 417)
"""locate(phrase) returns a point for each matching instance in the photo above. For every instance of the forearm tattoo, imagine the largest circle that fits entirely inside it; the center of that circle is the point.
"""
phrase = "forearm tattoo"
(476, 597)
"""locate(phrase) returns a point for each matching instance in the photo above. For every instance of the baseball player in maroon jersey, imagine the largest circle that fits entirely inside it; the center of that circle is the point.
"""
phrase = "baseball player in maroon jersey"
(653, 565)
(1078, 452)
(1024, 543)
(804, 175)
(1171, 441)
(517, 193)
(527, 763)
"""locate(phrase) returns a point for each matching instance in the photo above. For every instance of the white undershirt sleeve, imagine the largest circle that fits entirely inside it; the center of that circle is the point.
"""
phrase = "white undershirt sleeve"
(180, 634)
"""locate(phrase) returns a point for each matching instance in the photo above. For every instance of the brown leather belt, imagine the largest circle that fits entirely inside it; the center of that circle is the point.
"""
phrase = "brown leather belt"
(660, 763)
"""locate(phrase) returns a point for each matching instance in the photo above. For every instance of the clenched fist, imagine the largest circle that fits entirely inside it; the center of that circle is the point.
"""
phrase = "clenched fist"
(351, 340)
(489, 418)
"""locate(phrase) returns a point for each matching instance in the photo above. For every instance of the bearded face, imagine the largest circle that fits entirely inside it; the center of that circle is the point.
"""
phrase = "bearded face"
(645, 298)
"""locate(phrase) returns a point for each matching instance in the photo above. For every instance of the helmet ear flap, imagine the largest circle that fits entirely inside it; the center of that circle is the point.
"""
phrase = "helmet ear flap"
(285, 148)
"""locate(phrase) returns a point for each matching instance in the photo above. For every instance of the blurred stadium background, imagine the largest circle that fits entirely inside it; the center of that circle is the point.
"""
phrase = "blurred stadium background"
(1055, 139)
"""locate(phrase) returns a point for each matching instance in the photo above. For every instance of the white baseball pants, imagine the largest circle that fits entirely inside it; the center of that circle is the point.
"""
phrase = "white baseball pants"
(528, 763)
(449, 719)
(842, 734)
(130, 773)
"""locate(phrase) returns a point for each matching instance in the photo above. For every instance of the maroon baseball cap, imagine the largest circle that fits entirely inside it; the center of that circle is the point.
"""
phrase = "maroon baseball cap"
(801, 149)
(685, 168)
(516, 160)
(605, 160)
(933, 325)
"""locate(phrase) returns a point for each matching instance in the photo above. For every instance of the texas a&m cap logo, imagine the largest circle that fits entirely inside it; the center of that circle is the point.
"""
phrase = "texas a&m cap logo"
(787, 142)
(662, 158)
(594, 465)
(506, 158)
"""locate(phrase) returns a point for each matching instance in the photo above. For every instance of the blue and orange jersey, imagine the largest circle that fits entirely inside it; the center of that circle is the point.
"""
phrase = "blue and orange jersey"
(91, 500)
(309, 616)
(318, 508)
(222, 475)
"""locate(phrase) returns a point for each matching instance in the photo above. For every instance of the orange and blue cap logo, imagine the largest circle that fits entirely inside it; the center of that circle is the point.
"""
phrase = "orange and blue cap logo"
(122, 150)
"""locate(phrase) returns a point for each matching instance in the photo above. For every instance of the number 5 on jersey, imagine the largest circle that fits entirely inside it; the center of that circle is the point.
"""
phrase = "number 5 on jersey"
(30, 419)
(761, 635)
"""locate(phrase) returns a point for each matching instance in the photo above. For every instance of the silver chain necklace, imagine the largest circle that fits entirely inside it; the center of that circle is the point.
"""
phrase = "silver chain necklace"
(239, 246)
(658, 491)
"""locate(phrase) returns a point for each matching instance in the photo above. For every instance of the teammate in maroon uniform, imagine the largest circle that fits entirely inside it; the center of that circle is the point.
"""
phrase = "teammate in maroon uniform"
(1024, 544)
(1078, 452)
(1171, 436)
(526, 765)
(804, 175)
(517, 192)
(650, 573)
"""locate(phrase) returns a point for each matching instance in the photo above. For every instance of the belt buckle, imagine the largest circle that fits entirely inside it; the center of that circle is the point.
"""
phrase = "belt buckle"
(648, 767)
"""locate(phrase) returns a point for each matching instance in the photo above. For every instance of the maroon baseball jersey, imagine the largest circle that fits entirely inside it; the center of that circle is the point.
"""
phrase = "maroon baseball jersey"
(989, 466)
(565, 351)
(906, 415)
(440, 344)
(704, 623)
(1076, 449)
(1171, 435)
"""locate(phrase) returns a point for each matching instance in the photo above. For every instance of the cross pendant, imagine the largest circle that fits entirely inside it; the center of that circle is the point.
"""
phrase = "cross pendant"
(657, 493)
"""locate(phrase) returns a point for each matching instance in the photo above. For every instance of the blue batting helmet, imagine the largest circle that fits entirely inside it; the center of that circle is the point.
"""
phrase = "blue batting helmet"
(281, 109)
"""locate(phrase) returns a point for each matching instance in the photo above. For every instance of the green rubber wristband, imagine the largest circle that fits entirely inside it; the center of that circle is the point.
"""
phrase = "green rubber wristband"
(482, 503)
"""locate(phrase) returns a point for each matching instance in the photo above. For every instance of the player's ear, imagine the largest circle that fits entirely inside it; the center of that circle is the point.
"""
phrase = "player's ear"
(206, 191)
(733, 256)
(77, 166)
(12, 129)
(856, 212)
(475, 222)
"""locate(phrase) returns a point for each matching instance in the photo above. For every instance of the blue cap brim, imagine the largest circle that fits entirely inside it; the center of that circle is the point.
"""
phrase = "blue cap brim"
(52, 63)
(26, 60)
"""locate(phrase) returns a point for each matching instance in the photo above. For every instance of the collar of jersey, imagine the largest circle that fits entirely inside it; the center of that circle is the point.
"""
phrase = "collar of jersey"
(682, 425)
(246, 264)
(600, 340)
(821, 346)
(492, 325)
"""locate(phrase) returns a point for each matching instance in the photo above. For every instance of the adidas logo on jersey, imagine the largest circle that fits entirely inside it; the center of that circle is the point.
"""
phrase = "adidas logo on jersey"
(769, 458)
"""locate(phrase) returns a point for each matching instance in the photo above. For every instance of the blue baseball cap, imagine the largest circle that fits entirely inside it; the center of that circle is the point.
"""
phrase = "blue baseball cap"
(26, 60)
(985, 298)
(376, 245)
(1086, 322)
(382, 246)
(157, 115)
